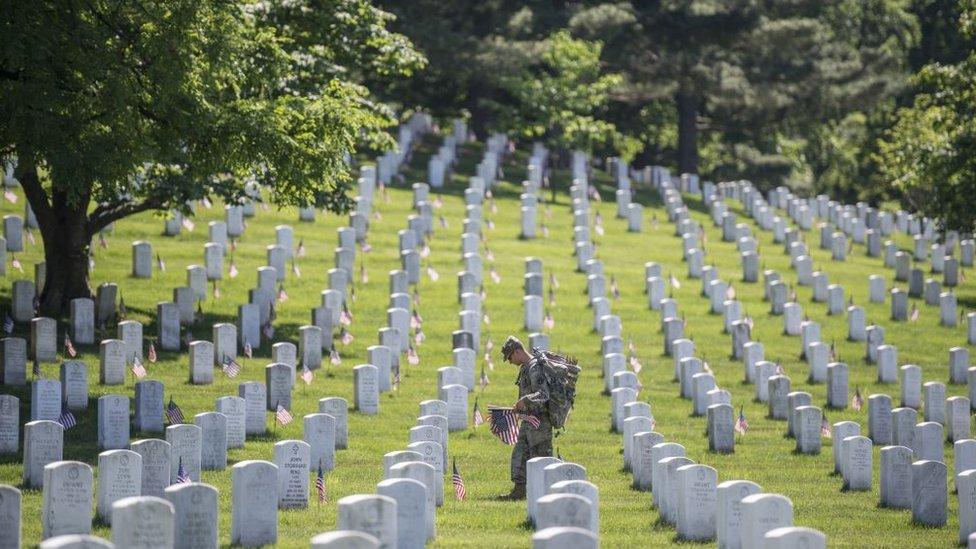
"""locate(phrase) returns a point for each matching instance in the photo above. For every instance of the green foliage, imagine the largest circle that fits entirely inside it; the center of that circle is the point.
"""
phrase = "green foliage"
(217, 92)
(559, 97)
(930, 153)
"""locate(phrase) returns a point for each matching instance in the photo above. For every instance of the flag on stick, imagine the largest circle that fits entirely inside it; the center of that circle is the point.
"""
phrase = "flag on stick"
(459, 490)
(173, 413)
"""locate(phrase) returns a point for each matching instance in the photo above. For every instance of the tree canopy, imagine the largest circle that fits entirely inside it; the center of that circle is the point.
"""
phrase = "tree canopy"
(145, 105)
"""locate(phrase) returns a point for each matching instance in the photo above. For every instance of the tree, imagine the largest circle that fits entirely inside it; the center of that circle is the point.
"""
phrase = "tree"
(750, 79)
(115, 107)
(929, 154)
(560, 95)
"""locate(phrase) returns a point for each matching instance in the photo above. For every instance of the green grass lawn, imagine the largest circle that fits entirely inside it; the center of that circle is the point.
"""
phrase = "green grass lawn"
(763, 455)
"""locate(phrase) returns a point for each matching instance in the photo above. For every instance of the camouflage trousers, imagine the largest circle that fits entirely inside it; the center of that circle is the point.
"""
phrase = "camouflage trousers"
(532, 443)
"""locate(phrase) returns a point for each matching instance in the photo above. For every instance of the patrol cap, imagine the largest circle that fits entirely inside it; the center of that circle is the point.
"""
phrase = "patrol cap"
(511, 344)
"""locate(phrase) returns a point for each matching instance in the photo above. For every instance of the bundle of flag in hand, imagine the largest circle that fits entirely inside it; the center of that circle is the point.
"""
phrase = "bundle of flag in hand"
(504, 423)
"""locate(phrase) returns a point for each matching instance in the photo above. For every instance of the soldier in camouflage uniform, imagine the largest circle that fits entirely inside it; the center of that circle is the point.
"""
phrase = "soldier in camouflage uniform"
(533, 400)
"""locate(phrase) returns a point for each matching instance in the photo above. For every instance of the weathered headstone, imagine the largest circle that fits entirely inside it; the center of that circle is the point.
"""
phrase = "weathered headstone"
(113, 422)
(338, 408)
(67, 499)
(155, 475)
(255, 398)
(149, 406)
(929, 493)
(213, 447)
(254, 504)
(896, 477)
(196, 517)
(185, 443)
(119, 477)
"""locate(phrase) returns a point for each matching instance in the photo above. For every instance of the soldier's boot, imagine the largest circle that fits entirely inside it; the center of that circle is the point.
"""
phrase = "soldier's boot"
(517, 493)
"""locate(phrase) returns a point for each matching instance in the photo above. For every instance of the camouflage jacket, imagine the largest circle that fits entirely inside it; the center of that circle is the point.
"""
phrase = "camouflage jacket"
(533, 386)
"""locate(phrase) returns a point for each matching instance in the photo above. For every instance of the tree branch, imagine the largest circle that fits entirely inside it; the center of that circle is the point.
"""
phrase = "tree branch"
(26, 173)
(104, 216)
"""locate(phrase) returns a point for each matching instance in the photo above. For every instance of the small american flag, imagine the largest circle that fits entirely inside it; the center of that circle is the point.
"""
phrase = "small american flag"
(477, 418)
(416, 320)
(283, 416)
(412, 356)
(730, 293)
(69, 347)
(425, 251)
(825, 428)
(231, 367)
(8, 324)
(282, 294)
(674, 282)
(363, 275)
(181, 475)
(857, 402)
(15, 263)
(484, 378)
(320, 484)
(66, 419)
(307, 375)
(122, 308)
(216, 290)
(345, 316)
(490, 224)
(545, 230)
(10, 196)
(173, 413)
(188, 224)
(548, 322)
(152, 352)
(833, 352)
(418, 336)
(36, 368)
(489, 345)
(160, 264)
(365, 246)
(438, 202)
(614, 289)
(345, 337)
(300, 251)
(486, 319)
(396, 379)
(268, 329)
(233, 272)
(206, 203)
(248, 352)
(741, 424)
(102, 242)
(915, 312)
(334, 357)
(294, 269)
(489, 255)
(635, 364)
(442, 221)
(138, 369)
(432, 274)
(495, 277)
(459, 491)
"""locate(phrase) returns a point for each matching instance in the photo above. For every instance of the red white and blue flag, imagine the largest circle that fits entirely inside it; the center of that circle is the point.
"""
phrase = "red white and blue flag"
(459, 490)
(504, 423)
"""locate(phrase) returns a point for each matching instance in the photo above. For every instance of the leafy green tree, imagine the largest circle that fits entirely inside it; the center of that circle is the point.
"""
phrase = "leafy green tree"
(560, 96)
(929, 154)
(750, 77)
(115, 107)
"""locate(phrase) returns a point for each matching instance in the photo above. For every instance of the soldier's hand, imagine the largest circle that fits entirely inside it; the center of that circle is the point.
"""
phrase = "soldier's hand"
(518, 407)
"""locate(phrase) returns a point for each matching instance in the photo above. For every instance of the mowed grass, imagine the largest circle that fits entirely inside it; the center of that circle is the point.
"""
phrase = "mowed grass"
(627, 519)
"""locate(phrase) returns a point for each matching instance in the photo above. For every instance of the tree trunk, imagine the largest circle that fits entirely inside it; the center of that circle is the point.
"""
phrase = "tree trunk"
(687, 131)
(66, 248)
